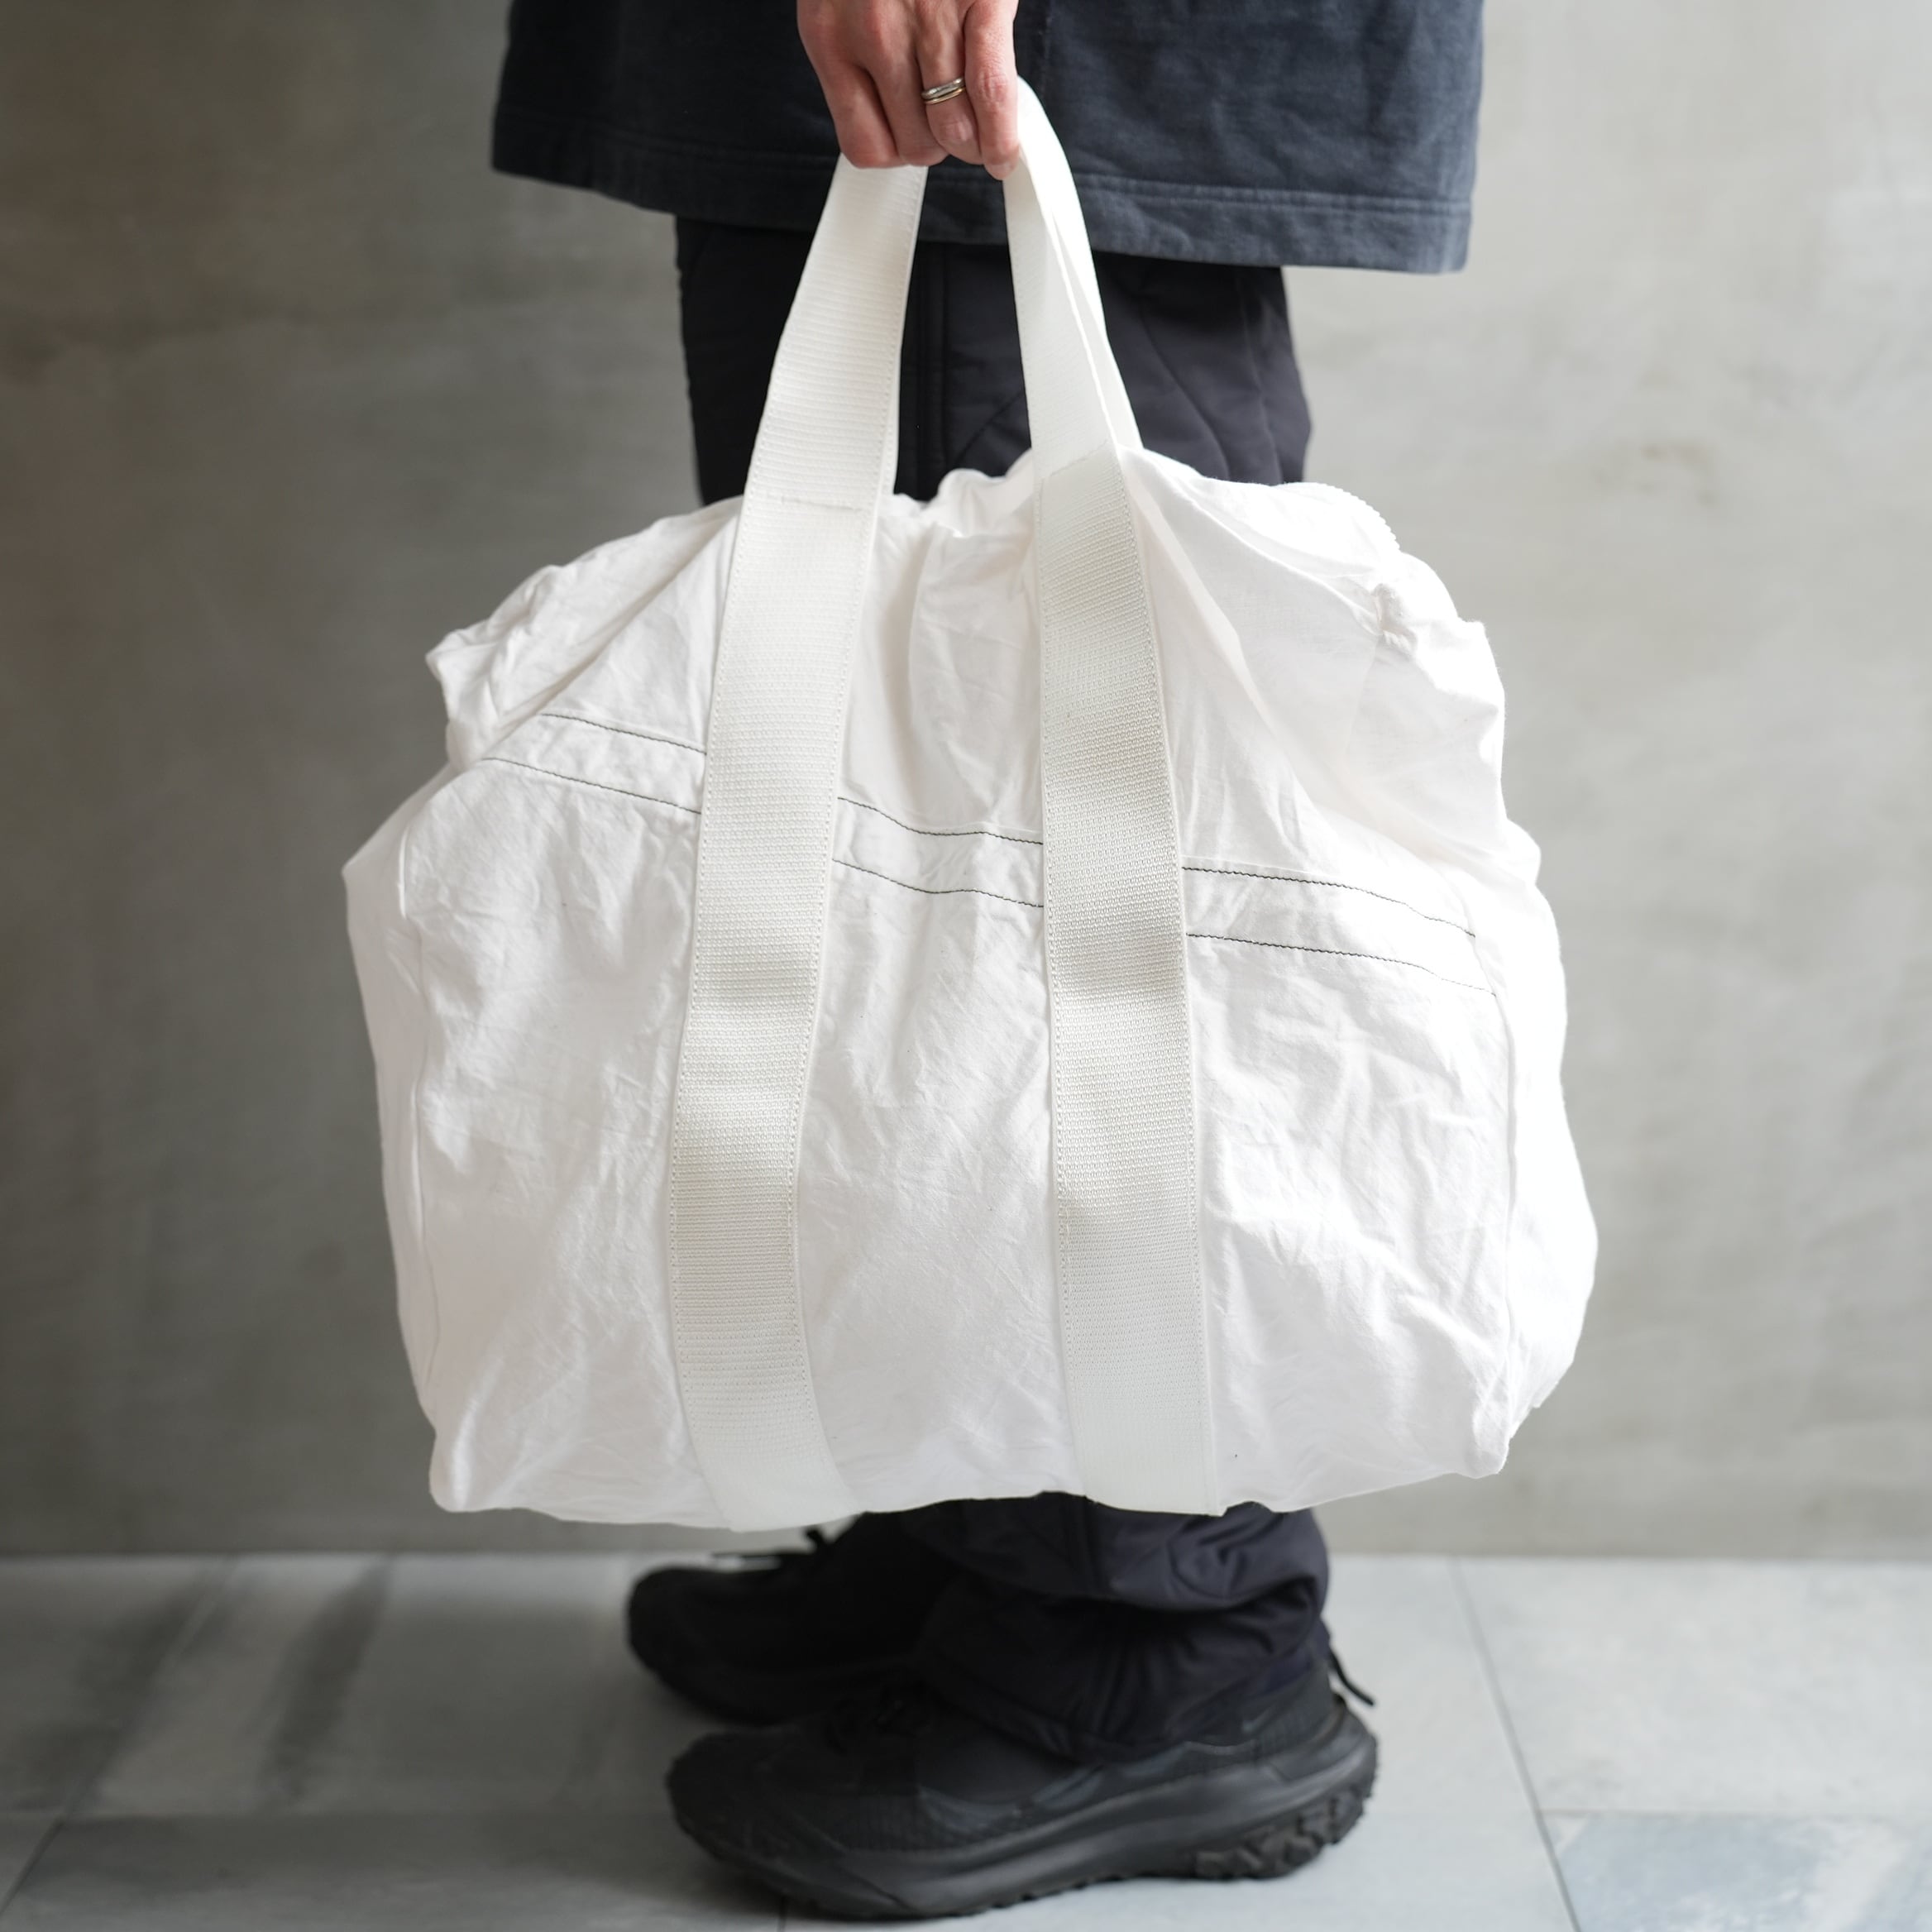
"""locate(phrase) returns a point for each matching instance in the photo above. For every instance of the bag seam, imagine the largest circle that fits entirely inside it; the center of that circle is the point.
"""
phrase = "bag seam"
(1035, 905)
(1010, 838)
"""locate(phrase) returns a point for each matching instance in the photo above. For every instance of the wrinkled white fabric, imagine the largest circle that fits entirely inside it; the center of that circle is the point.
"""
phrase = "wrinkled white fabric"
(1397, 1247)
(807, 1085)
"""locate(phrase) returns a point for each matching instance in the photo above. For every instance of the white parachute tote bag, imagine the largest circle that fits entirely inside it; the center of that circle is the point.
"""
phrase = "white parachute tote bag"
(1036, 990)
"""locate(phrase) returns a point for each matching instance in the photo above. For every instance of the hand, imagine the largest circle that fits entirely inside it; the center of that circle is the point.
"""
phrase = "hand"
(873, 56)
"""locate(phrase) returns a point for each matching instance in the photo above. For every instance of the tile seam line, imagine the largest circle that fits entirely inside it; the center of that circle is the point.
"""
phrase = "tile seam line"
(52, 1825)
(1916, 1816)
(221, 1574)
(1492, 1683)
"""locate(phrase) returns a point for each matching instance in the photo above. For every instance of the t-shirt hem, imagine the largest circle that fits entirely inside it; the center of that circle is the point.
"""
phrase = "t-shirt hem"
(1165, 221)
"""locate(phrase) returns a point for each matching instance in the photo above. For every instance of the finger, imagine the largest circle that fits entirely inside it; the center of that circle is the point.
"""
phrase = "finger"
(942, 59)
(865, 136)
(894, 69)
(993, 82)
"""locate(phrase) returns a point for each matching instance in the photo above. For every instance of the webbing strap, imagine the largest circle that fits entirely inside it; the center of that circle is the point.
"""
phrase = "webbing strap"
(1125, 1159)
(1125, 1164)
(773, 751)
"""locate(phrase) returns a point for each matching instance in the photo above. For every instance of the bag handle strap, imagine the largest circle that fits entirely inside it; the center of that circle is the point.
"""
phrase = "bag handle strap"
(1075, 399)
(1125, 1168)
(1125, 1151)
(820, 468)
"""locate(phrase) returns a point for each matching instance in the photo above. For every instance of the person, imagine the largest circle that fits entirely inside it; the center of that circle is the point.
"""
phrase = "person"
(985, 1700)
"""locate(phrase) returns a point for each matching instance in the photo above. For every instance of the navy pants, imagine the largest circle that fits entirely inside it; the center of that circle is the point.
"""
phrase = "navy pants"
(1096, 1633)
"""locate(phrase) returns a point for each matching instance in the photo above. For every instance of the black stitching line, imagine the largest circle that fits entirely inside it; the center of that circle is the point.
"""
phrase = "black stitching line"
(936, 891)
(1336, 953)
(1007, 898)
(624, 731)
(926, 832)
(980, 891)
(649, 798)
(1289, 878)
(496, 758)
(921, 831)
(1227, 872)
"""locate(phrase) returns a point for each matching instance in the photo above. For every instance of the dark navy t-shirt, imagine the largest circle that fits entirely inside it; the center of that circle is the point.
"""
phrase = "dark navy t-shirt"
(1332, 132)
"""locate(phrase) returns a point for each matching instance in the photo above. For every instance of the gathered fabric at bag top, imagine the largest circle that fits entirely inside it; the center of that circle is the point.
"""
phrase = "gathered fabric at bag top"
(890, 1001)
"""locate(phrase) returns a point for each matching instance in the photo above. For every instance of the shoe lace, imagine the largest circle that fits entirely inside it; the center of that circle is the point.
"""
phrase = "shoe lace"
(1347, 1682)
(899, 1709)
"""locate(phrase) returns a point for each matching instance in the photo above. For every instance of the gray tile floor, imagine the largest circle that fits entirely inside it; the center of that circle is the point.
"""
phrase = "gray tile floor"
(363, 1743)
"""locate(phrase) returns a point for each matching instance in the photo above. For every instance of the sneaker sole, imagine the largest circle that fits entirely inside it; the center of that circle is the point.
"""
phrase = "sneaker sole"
(1241, 1821)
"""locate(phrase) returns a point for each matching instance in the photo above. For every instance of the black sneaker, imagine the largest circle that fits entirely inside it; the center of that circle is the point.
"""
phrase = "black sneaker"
(781, 1636)
(899, 1806)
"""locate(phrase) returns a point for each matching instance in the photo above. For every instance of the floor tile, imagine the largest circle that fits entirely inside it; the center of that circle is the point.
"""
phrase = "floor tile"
(1400, 1625)
(423, 1683)
(1633, 1874)
(497, 1683)
(250, 1693)
(80, 1640)
(1792, 1688)
(20, 1838)
(573, 1874)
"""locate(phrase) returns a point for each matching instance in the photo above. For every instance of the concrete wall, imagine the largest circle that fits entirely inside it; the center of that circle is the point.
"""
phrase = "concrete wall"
(289, 385)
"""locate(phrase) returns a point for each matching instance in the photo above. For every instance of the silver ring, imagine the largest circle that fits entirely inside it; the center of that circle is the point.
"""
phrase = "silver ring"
(947, 90)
